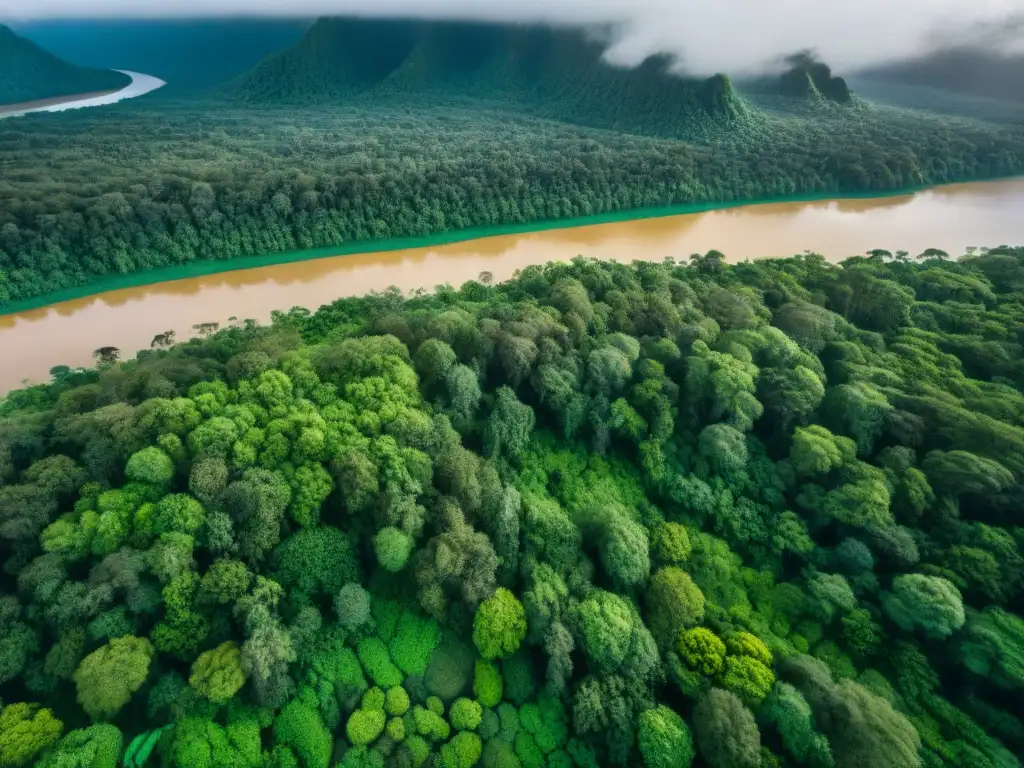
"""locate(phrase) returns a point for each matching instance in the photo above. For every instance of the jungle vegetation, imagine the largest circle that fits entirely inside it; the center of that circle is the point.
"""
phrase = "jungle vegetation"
(154, 183)
(30, 73)
(658, 515)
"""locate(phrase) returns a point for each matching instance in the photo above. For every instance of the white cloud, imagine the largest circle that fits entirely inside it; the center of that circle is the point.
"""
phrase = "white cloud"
(734, 36)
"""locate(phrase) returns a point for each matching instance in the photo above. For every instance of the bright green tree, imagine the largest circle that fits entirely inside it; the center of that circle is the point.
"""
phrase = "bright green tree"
(500, 625)
(107, 677)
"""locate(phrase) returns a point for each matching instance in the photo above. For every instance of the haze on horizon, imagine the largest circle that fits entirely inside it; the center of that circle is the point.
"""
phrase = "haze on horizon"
(733, 36)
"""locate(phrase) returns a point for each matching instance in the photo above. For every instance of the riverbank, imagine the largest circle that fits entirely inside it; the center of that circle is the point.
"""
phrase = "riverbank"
(139, 85)
(952, 218)
(206, 268)
(25, 107)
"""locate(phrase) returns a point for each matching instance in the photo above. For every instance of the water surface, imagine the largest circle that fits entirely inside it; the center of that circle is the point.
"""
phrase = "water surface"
(952, 218)
(140, 85)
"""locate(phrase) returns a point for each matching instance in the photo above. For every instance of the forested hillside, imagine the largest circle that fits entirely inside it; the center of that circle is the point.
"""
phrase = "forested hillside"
(149, 185)
(28, 73)
(553, 73)
(657, 515)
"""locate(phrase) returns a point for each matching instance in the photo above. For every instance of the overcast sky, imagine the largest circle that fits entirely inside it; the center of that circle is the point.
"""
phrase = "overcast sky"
(734, 36)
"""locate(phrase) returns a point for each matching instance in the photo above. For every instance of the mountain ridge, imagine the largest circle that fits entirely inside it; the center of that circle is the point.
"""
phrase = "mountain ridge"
(554, 73)
(29, 72)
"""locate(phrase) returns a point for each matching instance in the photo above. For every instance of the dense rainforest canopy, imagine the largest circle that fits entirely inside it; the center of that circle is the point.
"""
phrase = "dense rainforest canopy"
(658, 515)
(29, 73)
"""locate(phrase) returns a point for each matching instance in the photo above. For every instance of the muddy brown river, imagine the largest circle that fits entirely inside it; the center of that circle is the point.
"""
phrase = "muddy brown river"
(952, 218)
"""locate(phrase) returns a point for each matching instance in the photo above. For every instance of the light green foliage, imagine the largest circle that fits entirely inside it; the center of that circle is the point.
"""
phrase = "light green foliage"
(98, 746)
(499, 626)
(25, 731)
(392, 548)
(605, 626)
(929, 603)
(107, 677)
(178, 513)
(673, 603)
(747, 677)
(527, 751)
(373, 655)
(863, 504)
(417, 748)
(365, 725)
(463, 751)
(416, 636)
(465, 714)
(395, 729)
(374, 699)
(746, 644)
(300, 727)
(217, 674)
(663, 739)
(702, 650)
(430, 725)
(488, 685)
(816, 451)
(224, 583)
(195, 742)
(311, 485)
(150, 465)
(396, 702)
(670, 544)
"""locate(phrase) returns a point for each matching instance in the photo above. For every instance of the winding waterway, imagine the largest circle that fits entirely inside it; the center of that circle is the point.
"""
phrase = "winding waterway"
(952, 218)
(141, 84)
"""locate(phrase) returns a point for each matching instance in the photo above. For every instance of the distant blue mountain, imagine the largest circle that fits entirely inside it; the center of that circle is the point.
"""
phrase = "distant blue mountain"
(189, 54)
(28, 72)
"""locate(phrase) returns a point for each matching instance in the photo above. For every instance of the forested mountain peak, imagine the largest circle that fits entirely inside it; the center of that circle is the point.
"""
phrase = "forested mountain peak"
(808, 77)
(557, 73)
(28, 72)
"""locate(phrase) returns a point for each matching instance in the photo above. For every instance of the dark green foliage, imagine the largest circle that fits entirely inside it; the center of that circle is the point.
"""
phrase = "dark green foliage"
(725, 731)
(450, 671)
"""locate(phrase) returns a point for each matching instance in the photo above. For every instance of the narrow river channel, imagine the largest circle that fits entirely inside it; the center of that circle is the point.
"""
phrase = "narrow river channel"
(952, 218)
(139, 86)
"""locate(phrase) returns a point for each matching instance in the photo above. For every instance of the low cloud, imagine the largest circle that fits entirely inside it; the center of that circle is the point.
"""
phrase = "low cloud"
(733, 36)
